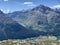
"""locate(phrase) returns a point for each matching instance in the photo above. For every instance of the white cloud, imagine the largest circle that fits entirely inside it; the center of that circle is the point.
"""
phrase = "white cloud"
(5, 11)
(56, 6)
(5, 0)
(29, 3)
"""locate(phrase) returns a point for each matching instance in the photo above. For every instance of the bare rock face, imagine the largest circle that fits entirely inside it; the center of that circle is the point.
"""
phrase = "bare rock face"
(10, 29)
(40, 18)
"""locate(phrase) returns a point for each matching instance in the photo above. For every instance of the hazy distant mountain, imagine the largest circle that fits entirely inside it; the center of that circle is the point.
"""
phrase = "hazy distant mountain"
(40, 18)
(10, 29)
(57, 10)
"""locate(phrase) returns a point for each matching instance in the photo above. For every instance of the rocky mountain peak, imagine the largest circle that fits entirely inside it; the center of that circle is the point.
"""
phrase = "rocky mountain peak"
(42, 8)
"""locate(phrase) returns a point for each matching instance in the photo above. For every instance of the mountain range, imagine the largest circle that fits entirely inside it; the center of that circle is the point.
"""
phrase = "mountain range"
(40, 20)
(10, 29)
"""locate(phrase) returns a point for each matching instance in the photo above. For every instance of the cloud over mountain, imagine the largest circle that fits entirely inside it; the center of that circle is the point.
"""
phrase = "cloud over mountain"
(29, 3)
(5, 11)
(55, 6)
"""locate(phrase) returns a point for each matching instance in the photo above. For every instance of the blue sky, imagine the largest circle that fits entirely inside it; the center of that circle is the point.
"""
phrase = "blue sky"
(17, 5)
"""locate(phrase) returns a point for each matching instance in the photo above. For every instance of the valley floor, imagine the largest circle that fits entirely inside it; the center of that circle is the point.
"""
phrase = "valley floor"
(30, 42)
(42, 40)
